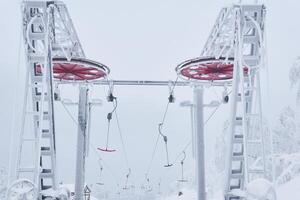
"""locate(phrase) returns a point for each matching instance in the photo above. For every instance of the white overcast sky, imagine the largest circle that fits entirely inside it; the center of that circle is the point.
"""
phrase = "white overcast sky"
(144, 40)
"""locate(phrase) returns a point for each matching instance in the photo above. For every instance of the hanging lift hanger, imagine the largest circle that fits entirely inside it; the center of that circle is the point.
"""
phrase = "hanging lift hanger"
(113, 99)
(182, 180)
(159, 187)
(100, 176)
(126, 182)
(165, 138)
(148, 186)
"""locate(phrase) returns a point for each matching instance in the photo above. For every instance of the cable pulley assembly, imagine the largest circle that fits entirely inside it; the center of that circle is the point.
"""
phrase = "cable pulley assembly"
(113, 99)
(165, 138)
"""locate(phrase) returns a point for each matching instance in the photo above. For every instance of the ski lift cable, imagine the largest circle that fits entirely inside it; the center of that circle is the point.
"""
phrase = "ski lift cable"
(153, 154)
(184, 157)
(107, 134)
(184, 149)
(69, 113)
(165, 138)
(109, 117)
(167, 107)
(100, 174)
(126, 180)
(157, 138)
(110, 86)
(182, 169)
(206, 121)
(93, 147)
(160, 125)
(122, 140)
(212, 114)
(105, 163)
(190, 142)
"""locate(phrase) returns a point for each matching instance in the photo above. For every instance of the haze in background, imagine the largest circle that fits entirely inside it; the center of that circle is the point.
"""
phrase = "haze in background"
(143, 40)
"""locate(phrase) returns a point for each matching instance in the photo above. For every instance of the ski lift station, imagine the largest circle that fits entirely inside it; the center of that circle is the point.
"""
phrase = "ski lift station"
(230, 63)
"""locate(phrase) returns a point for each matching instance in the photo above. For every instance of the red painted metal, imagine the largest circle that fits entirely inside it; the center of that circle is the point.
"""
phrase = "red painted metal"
(76, 70)
(70, 71)
(107, 150)
(207, 69)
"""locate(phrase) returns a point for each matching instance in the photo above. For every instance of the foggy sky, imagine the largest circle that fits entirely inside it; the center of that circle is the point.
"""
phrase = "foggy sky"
(144, 40)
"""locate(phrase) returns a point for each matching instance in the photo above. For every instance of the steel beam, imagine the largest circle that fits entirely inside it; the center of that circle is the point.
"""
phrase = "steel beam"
(81, 142)
(200, 150)
(149, 83)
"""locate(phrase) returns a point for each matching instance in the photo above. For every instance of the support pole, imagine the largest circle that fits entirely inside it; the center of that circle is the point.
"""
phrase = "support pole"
(81, 142)
(193, 130)
(199, 130)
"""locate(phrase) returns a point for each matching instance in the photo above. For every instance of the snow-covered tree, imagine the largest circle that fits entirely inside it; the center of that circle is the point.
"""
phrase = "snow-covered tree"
(286, 138)
(220, 147)
(295, 77)
(295, 81)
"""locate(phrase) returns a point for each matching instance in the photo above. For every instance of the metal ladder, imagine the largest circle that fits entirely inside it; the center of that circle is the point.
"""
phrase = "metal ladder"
(48, 32)
(244, 140)
(41, 139)
(247, 140)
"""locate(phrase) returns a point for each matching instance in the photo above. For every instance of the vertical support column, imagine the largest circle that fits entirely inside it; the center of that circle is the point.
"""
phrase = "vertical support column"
(192, 111)
(81, 142)
(200, 154)
(193, 129)
(87, 142)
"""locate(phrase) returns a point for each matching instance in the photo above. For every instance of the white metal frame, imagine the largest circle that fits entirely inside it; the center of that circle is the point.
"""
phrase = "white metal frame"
(49, 32)
(238, 33)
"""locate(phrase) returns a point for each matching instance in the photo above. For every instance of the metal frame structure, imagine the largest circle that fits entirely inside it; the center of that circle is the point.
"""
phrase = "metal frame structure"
(237, 36)
(238, 33)
(236, 39)
(51, 46)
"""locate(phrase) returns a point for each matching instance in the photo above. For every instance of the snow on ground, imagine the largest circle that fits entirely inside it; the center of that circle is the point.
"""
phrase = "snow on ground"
(188, 194)
(287, 191)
